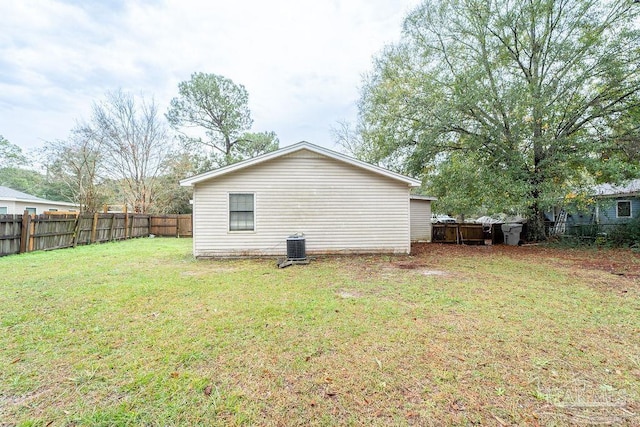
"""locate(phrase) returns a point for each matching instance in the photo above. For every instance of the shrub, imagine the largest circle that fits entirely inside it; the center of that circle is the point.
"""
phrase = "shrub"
(625, 235)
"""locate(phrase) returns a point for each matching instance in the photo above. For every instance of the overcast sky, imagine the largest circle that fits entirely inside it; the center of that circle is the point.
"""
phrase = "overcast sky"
(301, 61)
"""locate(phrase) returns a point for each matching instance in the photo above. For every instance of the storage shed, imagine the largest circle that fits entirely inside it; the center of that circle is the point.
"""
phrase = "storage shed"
(421, 218)
(340, 204)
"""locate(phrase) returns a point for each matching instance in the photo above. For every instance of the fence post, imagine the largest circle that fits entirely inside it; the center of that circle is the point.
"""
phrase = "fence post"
(24, 232)
(126, 222)
(94, 228)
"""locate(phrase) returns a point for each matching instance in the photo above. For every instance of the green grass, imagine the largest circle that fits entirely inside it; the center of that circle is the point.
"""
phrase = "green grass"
(140, 333)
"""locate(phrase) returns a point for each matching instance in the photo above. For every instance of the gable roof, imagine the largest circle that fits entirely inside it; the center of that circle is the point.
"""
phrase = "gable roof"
(12, 195)
(631, 188)
(303, 145)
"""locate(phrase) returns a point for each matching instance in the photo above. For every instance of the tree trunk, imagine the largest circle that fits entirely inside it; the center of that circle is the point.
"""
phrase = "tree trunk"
(536, 226)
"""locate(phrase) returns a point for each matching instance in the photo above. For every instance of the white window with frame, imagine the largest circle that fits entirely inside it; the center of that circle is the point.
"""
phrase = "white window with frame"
(623, 209)
(3, 210)
(242, 212)
(31, 211)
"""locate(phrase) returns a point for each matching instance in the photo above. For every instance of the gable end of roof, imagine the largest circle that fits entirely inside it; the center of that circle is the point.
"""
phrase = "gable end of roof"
(292, 149)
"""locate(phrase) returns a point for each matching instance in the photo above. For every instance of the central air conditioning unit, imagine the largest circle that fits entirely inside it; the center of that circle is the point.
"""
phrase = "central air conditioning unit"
(296, 248)
(296, 251)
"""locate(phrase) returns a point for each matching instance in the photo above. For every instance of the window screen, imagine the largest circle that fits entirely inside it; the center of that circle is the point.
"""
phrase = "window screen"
(241, 214)
(3, 210)
(624, 209)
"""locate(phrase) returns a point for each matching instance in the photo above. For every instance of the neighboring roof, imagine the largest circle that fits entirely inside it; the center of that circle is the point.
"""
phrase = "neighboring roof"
(631, 188)
(12, 195)
(418, 197)
(292, 149)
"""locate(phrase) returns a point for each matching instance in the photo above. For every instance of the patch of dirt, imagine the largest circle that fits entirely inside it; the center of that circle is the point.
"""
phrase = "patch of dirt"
(409, 265)
(348, 294)
(620, 263)
(433, 273)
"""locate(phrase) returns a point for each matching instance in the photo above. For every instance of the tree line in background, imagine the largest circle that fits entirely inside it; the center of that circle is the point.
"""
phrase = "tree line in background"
(497, 105)
(506, 106)
(125, 154)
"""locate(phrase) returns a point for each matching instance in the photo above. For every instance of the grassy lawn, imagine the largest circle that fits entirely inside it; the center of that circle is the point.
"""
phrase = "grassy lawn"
(138, 332)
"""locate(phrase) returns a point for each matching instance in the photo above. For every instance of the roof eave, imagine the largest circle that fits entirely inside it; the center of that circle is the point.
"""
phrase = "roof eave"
(418, 197)
(41, 201)
(617, 195)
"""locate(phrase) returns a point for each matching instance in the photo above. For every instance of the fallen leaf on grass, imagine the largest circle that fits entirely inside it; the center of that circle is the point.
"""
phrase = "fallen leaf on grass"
(457, 406)
(207, 390)
(174, 375)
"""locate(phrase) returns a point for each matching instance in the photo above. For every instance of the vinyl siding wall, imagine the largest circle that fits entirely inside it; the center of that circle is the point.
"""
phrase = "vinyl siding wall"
(607, 213)
(11, 206)
(339, 208)
(608, 210)
(420, 220)
(18, 207)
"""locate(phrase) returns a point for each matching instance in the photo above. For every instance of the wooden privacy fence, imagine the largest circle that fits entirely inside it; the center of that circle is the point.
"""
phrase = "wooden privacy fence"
(10, 234)
(171, 225)
(27, 233)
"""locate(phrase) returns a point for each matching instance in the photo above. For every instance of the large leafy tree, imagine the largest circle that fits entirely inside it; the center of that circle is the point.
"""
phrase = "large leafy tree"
(171, 198)
(624, 133)
(517, 90)
(10, 154)
(25, 180)
(211, 112)
(15, 174)
(252, 144)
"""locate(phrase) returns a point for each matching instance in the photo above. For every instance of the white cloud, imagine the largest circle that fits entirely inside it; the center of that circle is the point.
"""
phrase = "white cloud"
(301, 61)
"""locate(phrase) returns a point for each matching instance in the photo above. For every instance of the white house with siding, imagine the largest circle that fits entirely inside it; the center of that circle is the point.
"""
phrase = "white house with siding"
(16, 202)
(340, 204)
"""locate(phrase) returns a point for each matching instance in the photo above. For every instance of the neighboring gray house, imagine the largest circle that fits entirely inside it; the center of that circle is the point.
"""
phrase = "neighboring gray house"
(615, 204)
(16, 202)
(342, 205)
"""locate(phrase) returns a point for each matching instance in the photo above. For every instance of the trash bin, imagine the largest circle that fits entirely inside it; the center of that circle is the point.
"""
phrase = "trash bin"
(511, 233)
